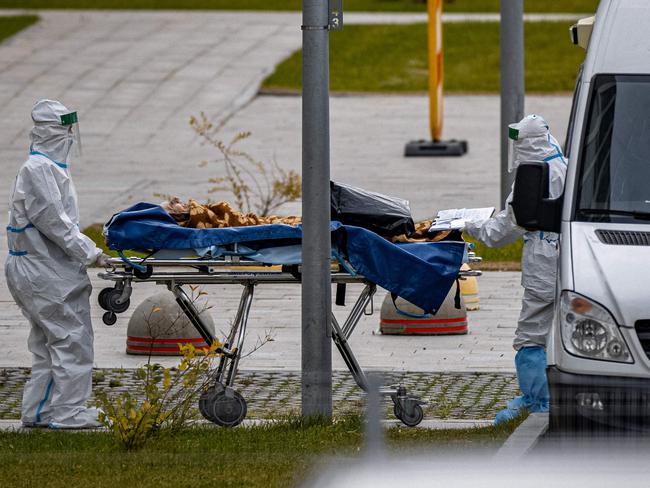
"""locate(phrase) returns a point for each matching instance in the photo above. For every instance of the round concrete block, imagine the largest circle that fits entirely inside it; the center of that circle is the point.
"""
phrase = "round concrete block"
(411, 320)
(469, 290)
(158, 326)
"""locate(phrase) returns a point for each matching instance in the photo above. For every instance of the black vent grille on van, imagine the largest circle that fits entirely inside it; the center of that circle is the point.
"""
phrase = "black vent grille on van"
(624, 237)
(643, 332)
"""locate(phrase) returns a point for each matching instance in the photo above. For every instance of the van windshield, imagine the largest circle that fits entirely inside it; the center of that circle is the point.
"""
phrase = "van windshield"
(614, 173)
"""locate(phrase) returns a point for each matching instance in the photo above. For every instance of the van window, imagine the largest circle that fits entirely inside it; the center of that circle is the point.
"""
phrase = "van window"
(614, 173)
(572, 115)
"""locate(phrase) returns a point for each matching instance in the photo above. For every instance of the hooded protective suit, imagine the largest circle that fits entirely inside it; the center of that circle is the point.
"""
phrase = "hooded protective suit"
(46, 274)
(530, 140)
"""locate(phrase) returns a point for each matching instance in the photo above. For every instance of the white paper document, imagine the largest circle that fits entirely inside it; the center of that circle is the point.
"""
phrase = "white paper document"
(455, 218)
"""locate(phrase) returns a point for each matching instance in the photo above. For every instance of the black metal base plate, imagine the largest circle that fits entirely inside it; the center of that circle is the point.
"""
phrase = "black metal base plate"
(435, 148)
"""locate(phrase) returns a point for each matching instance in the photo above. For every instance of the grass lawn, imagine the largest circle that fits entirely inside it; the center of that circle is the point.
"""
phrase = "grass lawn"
(264, 456)
(95, 233)
(506, 258)
(393, 58)
(12, 25)
(579, 6)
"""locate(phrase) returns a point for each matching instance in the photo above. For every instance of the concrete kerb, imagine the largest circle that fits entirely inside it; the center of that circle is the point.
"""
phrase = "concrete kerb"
(350, 17)
(524, 438)
(433, 424)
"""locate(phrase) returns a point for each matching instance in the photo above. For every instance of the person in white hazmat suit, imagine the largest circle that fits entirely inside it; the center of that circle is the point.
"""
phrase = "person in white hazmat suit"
(46, 274)
(530, 140)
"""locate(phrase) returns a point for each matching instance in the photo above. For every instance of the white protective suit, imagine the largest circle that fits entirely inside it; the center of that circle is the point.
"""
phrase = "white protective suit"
(533, 142)
(46, 274)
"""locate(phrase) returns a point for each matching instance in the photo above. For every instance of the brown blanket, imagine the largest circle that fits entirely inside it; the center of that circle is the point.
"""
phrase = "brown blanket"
(221, 214)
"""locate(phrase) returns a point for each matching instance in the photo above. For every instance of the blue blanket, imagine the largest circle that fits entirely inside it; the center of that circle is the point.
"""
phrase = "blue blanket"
(421, 273)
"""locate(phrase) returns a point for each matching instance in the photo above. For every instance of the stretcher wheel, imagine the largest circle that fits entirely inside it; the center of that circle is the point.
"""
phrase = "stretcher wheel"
(410, 415)
(143, 275)
(109, 318)
(205, 401)
(111, 303)
(226, 408)
(101, 298)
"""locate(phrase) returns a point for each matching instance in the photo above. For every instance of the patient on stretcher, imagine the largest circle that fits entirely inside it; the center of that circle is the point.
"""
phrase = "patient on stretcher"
(218, 215)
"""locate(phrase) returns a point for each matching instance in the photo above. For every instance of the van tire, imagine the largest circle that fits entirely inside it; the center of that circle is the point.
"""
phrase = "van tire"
(563, 420)
(563, 415)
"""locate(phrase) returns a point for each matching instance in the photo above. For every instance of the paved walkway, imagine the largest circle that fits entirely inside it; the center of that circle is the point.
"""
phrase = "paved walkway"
(276, 309)
(137, 77)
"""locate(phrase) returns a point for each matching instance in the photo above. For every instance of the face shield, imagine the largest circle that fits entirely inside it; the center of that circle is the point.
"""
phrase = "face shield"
(71, 123)
(513, 137)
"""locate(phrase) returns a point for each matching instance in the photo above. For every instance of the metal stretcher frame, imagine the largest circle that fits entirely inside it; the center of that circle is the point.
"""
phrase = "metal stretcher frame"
(222, 404)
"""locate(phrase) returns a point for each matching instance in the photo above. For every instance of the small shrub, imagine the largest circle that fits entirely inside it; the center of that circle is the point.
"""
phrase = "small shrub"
(256, 186)
(168, 402)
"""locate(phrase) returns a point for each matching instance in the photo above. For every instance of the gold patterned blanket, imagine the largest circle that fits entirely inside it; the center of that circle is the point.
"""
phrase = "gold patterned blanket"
(221, 214)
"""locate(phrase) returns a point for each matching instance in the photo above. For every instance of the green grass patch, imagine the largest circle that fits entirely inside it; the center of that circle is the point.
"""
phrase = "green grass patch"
(94, 231)
(267, 456)
(14, 24)
(510, 253)
(579, 6)
(537, 6)
(393, 58)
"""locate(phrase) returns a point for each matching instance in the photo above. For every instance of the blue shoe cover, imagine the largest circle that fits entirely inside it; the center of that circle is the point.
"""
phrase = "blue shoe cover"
(517, 403)
(505, 415)
(531, 373)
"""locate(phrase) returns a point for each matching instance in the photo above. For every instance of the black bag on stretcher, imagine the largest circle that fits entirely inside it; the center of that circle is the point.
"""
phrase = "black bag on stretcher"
(384, 215)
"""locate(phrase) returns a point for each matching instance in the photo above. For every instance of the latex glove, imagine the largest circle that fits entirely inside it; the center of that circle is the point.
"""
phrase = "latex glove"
(102, 260)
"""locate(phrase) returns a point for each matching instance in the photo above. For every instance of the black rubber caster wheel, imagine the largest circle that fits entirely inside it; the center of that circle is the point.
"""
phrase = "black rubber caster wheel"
(143, 275)
(101, 298)
(109, 318)
(411, 416)
(206, 400)
(111, 301)
(226, 408)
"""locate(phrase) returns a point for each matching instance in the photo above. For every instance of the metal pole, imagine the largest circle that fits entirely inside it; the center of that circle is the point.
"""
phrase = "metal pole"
(316, 252)
(375, 443)
(512, 80)
(434, 8)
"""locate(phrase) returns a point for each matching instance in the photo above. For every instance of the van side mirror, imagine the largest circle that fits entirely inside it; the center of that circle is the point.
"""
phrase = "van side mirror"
(533, 208)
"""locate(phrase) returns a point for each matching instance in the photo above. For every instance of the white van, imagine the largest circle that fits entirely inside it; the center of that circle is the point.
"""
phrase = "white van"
(599, 349)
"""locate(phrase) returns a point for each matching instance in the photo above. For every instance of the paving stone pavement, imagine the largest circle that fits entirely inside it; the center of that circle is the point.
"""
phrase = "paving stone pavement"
(270, 394)
(136, 77)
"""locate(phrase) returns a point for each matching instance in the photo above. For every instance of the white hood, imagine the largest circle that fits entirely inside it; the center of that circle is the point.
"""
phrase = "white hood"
(49, 136)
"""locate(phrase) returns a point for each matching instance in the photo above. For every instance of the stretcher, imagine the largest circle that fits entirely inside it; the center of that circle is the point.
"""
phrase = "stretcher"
(238, 258)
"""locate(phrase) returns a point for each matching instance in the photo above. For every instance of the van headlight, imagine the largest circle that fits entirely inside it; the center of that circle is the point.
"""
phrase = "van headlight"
(589, 330)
